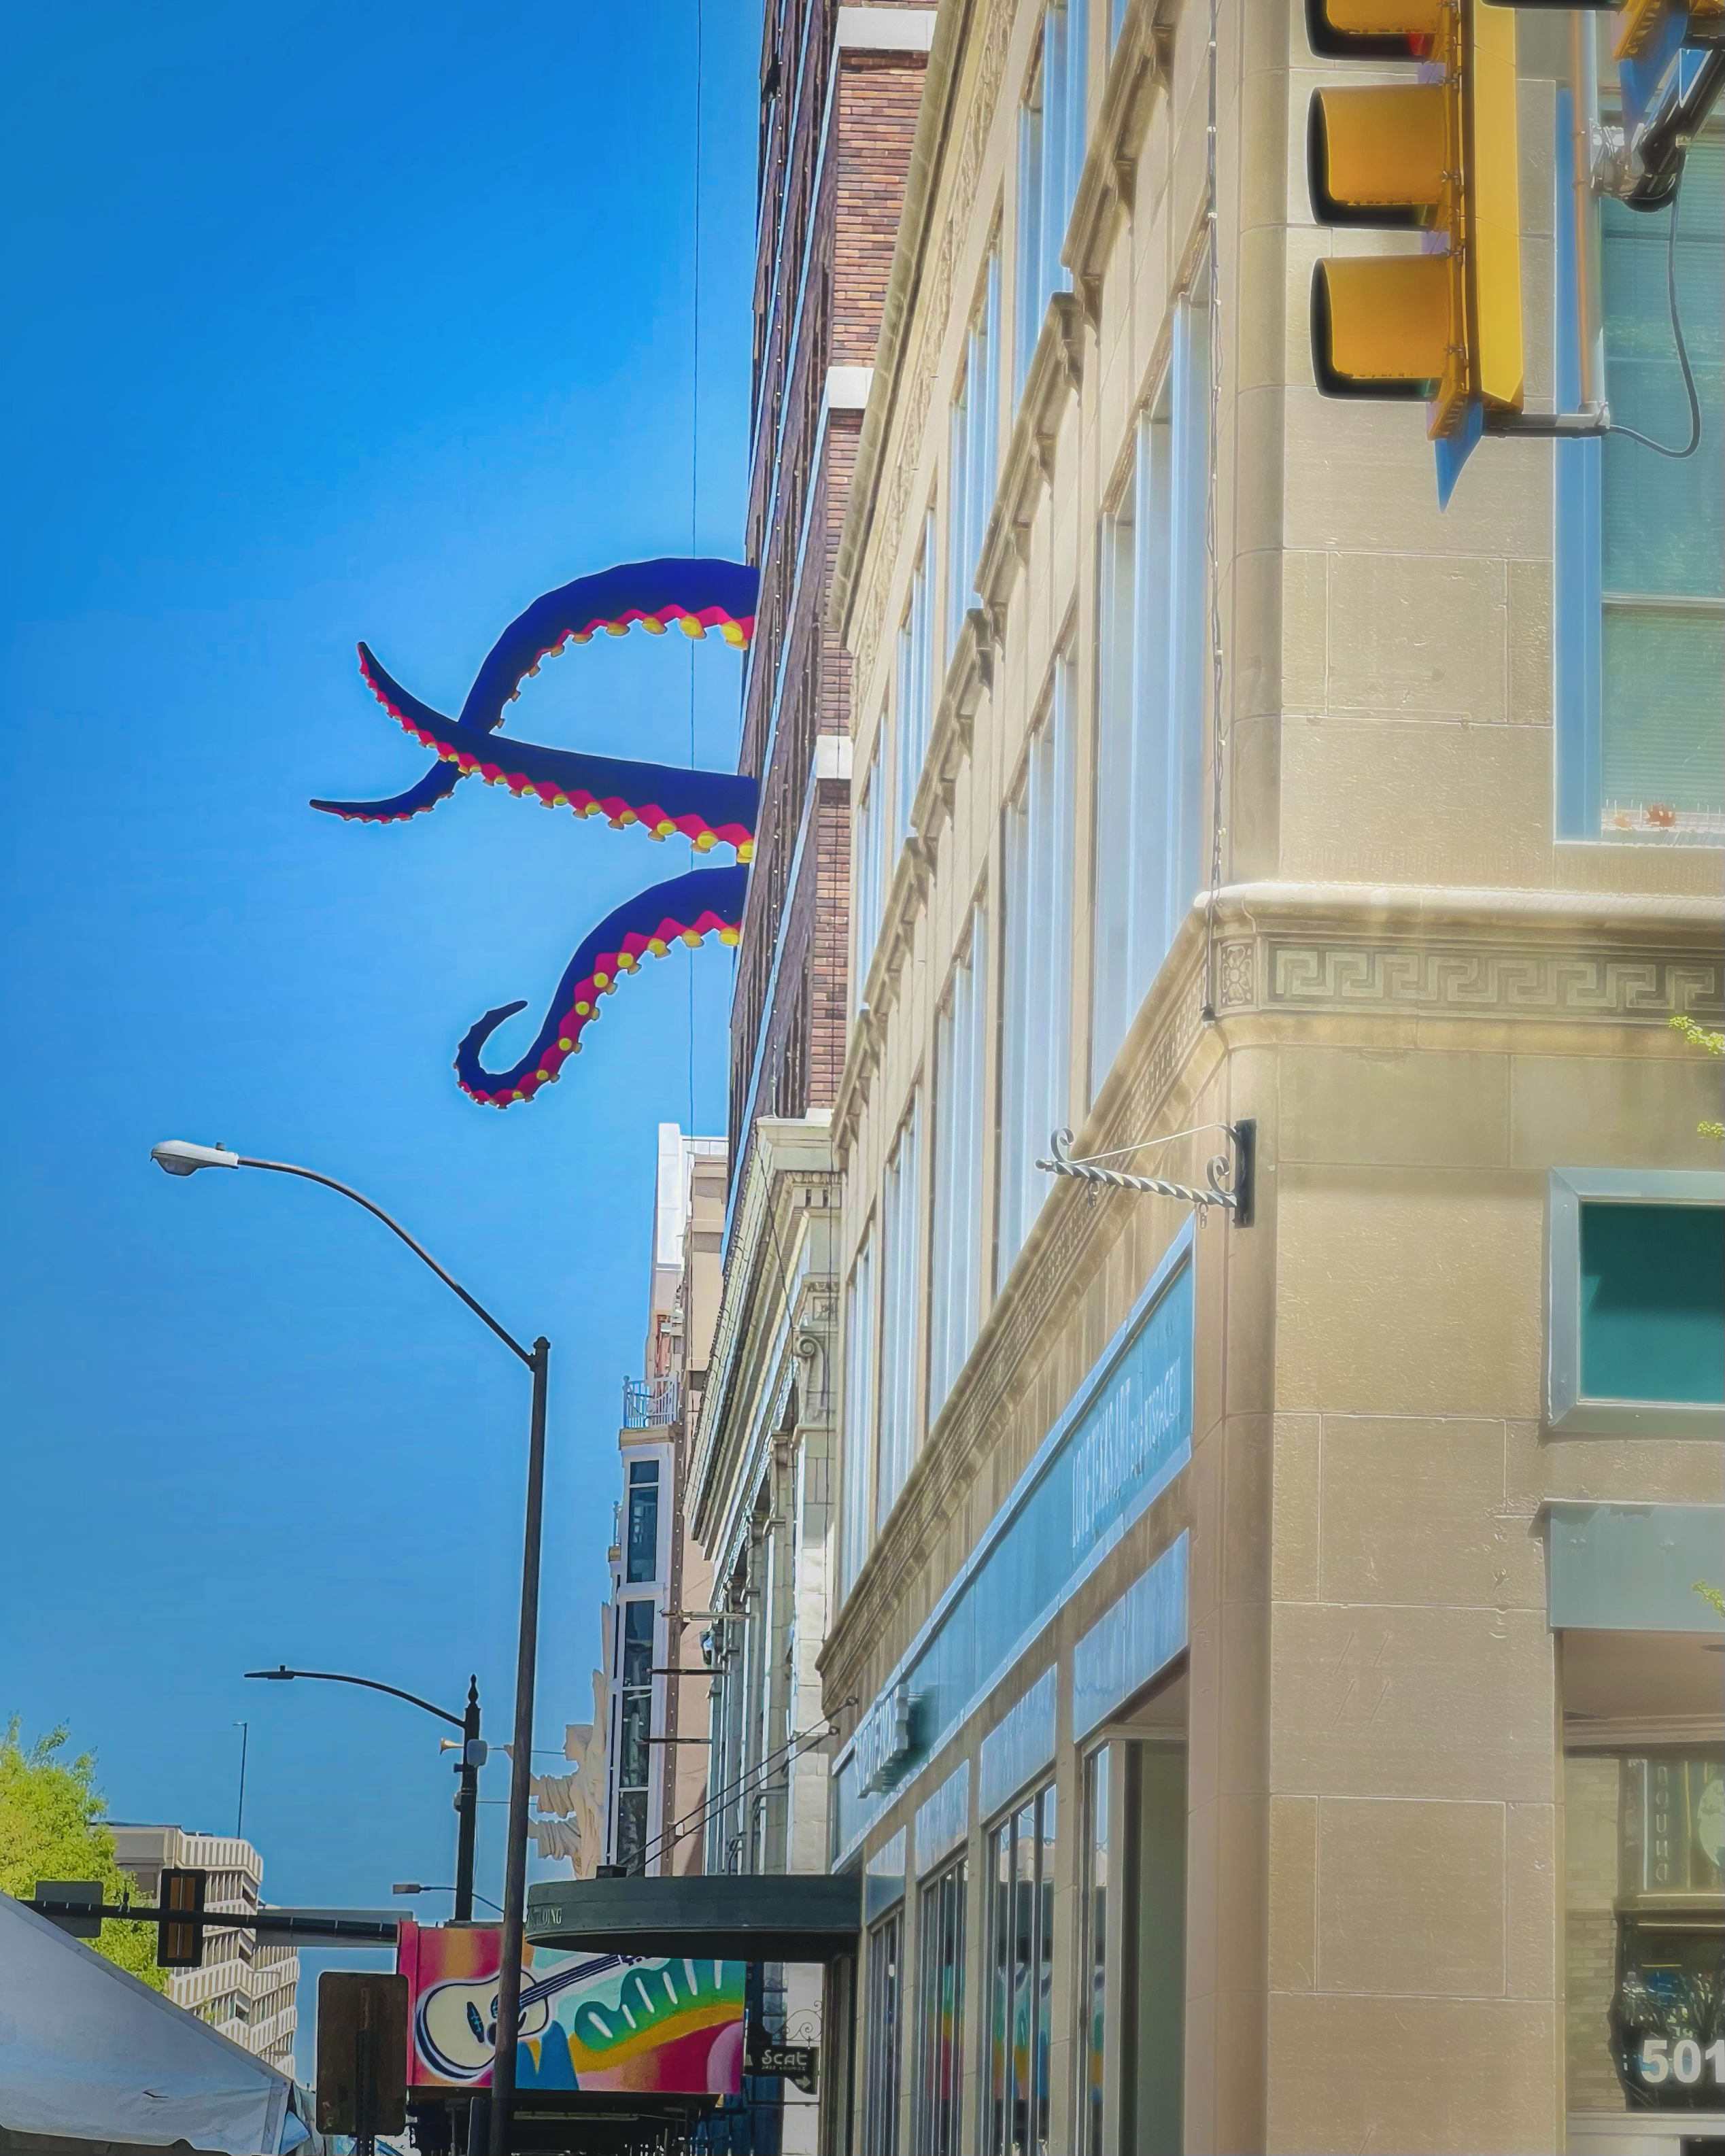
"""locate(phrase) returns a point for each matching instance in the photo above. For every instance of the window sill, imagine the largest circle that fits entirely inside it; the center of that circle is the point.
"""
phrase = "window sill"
(1057, 371)
(1137, 70)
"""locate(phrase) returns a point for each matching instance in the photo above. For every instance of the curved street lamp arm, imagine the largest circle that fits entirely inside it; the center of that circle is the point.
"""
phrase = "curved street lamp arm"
(370, 1684)
(448, 1280)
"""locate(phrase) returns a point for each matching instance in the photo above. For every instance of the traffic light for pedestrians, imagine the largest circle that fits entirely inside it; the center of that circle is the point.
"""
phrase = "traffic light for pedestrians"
(1437, 154)
(181, 1946)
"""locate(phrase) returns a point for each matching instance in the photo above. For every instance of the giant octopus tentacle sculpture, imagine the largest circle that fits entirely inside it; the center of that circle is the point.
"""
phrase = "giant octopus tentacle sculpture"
(708, 808)
(698, 594)
(687, 910)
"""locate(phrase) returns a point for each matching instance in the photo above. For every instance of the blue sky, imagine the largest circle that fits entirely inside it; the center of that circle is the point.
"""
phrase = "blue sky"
(330, 323)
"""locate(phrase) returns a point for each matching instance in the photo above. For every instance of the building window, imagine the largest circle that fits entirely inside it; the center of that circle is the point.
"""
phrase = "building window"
(916, 681)
(1636, 1312)
(1020, 1972)
(1150, 701)
(975, 451)
(901, 1300)
(1036, 904)
(871, 866)
(1052, 128)
(634, 1726)
(1640, 538)
(1093, 1957)
(859, 1408)
(956, 1240)
(940, 1933)
(881, 2081)
(643, 1551)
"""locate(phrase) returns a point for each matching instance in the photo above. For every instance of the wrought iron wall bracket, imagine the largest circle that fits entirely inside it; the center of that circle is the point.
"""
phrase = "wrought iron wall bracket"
(1230, 1175)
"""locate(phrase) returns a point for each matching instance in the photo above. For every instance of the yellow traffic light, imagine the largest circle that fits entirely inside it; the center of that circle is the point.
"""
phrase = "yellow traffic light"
(1438, 155)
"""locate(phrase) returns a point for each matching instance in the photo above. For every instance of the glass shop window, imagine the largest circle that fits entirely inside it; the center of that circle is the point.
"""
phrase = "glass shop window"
(1129, 2028)
(1020, 1975)
(643, 1521)
(940, 1932)
(1644, 1861)
(634, 1753)
(1653, 1302)
(885, 1976)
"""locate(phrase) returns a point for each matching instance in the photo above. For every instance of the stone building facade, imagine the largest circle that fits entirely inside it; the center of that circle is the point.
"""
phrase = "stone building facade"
(246, 1986)
(652, 1695)
(1275, 1712)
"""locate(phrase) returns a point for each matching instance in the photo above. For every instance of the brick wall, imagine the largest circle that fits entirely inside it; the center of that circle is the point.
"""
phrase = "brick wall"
(827, 227)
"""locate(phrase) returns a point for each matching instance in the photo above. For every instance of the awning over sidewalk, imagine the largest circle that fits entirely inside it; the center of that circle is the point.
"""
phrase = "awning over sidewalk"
(803, 1916)
(92, 2061)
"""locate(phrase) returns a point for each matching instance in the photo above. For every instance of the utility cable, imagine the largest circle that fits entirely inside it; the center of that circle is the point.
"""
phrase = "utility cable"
(728, 1790)
(1646, 441)
(1212, 542)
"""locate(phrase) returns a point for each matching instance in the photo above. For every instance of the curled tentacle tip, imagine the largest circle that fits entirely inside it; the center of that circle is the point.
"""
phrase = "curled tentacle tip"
(617, 628)
(746, 851)
(690, 627)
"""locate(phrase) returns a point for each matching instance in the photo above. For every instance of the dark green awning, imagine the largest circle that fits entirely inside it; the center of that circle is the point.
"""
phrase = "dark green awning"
(806, 1917)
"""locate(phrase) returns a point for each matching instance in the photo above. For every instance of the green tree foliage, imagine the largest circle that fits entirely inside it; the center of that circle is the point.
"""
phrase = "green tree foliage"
(1710, 1044)
(51, 1827)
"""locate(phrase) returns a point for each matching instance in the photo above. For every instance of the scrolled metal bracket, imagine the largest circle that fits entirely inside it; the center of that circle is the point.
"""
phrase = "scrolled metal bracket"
(1231, 1175)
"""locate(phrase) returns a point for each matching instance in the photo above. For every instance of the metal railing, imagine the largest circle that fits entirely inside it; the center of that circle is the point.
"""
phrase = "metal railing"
(648, 1402)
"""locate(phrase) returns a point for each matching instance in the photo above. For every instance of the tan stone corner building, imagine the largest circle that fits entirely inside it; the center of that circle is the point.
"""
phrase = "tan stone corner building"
(1285, 1717)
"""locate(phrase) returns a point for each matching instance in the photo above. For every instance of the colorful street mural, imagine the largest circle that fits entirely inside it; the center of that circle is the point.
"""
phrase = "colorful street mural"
(588, 2021)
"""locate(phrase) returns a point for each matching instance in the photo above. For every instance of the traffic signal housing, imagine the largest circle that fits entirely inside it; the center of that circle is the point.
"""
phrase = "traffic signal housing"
(180, 1945)
(1437, 154)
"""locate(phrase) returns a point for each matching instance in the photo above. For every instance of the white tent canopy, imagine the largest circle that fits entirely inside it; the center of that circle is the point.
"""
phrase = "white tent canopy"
(91, 2059)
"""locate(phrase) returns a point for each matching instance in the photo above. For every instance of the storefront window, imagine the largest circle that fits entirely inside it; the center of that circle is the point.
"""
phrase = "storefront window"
(1021, 1874)
(940, 2071)
(1093, 1960)
(1644, 1930)
(880, 2090)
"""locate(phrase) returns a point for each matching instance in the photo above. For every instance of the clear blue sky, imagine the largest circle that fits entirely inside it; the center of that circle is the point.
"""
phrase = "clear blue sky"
(323, 323)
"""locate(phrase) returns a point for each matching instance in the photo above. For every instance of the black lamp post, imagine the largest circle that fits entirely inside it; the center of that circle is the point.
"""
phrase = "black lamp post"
(473, 1757)
(179, 1157)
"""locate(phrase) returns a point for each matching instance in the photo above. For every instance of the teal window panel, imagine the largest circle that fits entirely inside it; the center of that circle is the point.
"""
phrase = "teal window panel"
(1653, 1302)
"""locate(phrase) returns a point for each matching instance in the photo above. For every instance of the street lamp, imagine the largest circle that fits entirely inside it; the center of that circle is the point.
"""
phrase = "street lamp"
(179, 1157)
(472, 1758)
(413, 1886)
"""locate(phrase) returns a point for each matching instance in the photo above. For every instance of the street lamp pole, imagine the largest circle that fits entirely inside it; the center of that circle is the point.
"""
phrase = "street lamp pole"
(179, 1157)
(472, 1753)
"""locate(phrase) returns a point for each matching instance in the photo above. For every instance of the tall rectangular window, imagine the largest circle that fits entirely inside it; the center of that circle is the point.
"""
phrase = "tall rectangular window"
(859, 1443)
(635, 1726)
(1020, 1971)
(885, 2009)
(955, 1242)
(1640, 538)
(975, 452)
(940, 1931)
(1150, 694)
(870, 872)
(900, 1303)
(1052, 127)
(1036, 906)
(916, 682)
(643, 1554)
(1093, 1957)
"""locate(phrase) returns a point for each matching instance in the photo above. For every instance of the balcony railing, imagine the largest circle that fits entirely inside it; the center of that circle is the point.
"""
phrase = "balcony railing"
(649, 1402)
